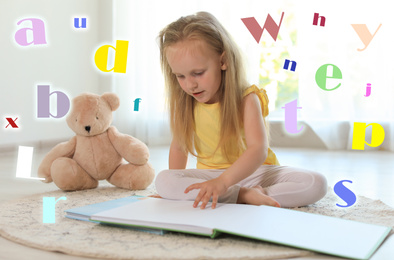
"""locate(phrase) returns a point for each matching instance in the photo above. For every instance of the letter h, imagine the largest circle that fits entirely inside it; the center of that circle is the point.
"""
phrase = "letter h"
(316, 18)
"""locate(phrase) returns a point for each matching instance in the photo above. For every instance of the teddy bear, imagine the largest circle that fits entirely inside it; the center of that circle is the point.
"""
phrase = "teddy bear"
(98, 151)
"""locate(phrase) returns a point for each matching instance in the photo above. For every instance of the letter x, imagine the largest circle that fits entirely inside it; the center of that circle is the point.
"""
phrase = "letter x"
(11, 122)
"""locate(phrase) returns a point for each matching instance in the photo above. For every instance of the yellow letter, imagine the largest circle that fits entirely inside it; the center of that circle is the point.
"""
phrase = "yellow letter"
(101, 57)
(377, 135)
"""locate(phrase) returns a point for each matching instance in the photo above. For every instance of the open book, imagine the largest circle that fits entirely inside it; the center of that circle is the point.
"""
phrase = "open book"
(329, 235)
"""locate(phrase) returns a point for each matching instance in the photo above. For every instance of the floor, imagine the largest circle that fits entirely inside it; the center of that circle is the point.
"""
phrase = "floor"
(371, 174)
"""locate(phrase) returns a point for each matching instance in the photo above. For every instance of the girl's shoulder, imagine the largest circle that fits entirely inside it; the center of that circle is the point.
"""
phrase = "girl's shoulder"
(261, 94)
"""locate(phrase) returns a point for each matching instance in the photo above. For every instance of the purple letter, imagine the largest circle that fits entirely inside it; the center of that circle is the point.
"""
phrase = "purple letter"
(38, 31)
(43, 98)
(291, 117)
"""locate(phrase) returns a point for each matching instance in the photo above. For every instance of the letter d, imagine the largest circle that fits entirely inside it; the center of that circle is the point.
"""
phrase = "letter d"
(43, 98)
(48, 209)
(101, 57)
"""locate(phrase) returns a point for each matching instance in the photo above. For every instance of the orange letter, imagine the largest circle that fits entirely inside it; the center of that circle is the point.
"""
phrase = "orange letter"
(364, 34)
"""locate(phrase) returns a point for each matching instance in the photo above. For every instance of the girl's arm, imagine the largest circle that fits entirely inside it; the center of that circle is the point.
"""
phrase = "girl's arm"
(253, 157)
(177, 158)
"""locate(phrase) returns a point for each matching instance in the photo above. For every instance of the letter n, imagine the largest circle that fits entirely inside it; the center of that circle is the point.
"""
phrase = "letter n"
(101, 57)
(270, 25)
(43, 100)
(287, 63)
(38, 32)
(377, 135)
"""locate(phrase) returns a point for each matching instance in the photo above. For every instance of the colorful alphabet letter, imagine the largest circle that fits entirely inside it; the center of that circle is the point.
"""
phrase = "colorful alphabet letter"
(137, 104)
(256, 31)
(101, 57)
(76, 23)
(11, 122)
(287, 63)
(43, 99)
(291, 117)
(377, 135)
(368, 90)
(327, 71)
(344, 193)
(48, 209)
(316, 18)
(364, 34)
(38, 32)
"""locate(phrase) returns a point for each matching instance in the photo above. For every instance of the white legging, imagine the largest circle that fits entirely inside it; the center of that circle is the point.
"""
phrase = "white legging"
(291, 187)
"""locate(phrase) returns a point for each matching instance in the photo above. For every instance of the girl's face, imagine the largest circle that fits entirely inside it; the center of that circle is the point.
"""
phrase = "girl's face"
(198, 69)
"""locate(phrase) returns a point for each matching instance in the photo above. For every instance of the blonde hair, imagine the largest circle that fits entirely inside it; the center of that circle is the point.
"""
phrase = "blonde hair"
(204, 26)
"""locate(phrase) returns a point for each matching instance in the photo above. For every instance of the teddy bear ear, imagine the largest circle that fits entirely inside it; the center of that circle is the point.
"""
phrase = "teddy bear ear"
(112, 100)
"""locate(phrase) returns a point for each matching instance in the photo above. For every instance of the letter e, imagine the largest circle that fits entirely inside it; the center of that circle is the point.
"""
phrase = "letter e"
(327, 71)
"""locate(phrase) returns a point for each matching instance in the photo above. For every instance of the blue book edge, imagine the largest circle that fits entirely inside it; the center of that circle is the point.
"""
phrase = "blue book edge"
(85, 212)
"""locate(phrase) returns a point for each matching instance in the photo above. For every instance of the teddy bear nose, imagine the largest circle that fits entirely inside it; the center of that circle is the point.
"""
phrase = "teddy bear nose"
(87, 128)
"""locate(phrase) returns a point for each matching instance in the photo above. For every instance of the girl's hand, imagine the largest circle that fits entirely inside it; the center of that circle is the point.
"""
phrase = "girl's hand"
(212, 188)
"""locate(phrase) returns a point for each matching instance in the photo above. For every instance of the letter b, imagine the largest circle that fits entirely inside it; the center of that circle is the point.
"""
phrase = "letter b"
(101, 57)
(43, 98)
(48, 209)
(377, 135)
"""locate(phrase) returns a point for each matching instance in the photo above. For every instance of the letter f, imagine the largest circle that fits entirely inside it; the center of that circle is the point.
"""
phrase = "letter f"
(137, 104)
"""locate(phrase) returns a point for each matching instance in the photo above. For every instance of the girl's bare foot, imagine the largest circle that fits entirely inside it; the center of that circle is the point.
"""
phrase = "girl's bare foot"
(155, 196)
(255, 196)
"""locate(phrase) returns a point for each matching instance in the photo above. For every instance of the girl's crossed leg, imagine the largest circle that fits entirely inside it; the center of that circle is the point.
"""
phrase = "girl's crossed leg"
(291, 187)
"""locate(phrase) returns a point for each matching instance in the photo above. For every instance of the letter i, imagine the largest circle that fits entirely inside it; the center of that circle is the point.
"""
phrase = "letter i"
(368, 90)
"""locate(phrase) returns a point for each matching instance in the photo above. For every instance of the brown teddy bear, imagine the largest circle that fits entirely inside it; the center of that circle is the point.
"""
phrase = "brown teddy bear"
(97, 151)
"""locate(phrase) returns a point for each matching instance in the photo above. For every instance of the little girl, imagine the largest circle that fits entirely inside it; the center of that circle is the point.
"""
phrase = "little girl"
(218, 117)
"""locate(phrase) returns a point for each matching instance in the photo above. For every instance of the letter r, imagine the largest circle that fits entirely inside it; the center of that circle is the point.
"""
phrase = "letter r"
(48, 209)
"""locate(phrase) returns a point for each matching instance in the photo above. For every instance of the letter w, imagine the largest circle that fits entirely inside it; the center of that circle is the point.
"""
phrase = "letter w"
(256, 31)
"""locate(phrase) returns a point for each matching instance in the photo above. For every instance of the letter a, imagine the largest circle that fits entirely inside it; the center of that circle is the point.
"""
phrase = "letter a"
(101, 57)
(377, 135)
(256, 31)
(38, 30)
(364, 34)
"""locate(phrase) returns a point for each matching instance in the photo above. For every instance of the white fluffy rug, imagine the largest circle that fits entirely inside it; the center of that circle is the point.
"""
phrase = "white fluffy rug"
(21, 221)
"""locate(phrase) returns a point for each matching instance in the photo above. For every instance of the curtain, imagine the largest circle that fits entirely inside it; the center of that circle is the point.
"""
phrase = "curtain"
(331, 114)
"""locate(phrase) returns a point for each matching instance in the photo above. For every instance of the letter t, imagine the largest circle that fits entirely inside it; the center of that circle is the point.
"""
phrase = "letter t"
(291, 117)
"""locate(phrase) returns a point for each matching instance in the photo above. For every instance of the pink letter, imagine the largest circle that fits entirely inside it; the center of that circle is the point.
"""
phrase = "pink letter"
(38, 31)
(256, 31)
(291, 117)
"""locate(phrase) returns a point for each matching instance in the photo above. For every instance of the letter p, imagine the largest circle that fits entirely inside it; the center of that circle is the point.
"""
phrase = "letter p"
(377, 135)
(48, 209)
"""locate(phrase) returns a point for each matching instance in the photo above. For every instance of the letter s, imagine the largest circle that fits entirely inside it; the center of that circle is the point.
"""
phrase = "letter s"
(344, 193)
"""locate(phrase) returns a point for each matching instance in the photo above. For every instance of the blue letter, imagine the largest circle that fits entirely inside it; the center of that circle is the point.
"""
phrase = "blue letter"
(293, 65)
(76, 23)
(345, 194)
(137, 104)
(48, 209)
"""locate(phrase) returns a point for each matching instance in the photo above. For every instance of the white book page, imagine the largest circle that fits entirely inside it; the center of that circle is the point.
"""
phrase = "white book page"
(289, 227)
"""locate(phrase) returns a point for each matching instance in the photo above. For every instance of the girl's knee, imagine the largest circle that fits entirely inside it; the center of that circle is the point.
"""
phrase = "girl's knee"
(163, 182)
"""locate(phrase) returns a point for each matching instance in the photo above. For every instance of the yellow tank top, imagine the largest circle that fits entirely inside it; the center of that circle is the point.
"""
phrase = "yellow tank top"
(207, 122)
